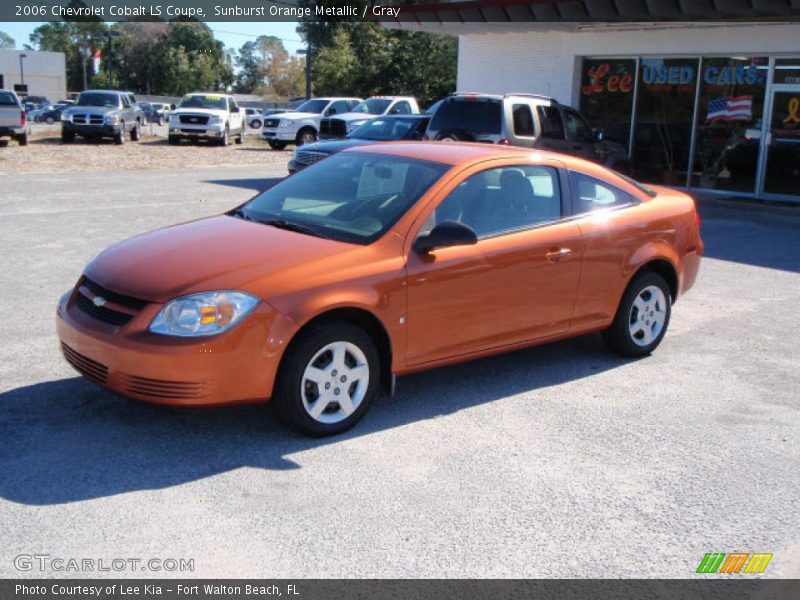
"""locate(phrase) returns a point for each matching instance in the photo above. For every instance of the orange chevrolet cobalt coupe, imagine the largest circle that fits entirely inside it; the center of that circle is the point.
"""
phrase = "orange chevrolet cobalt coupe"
(376, 262)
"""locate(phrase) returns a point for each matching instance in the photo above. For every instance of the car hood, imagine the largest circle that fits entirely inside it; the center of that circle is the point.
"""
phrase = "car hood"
(349, 117)
(294, 115)
(333, 146)
(216, 253)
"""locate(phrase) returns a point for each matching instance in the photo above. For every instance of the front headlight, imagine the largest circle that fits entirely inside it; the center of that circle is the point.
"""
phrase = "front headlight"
(215, 120)
(354, 125)
(174, 120)
(64, 117)
(111, 119)
(285, 123)
(206, 313)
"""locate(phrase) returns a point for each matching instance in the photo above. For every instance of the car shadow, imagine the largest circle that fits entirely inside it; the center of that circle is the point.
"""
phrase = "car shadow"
(258, 184)
(752, 233)
(69, 440)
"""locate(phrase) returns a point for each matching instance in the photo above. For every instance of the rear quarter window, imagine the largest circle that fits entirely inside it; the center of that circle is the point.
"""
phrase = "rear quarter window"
(590, 194)
(7, 99)
(476, 116)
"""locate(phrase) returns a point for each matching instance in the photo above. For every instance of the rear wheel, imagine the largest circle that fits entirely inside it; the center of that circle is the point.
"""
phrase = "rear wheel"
(255, 124)
(277, 145)
(328, 379)
(50, 120)
(642, 317)
(23, 139)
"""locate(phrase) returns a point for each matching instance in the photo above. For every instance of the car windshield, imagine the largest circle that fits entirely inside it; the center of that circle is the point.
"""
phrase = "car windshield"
(97, 99)
(313, 106)
(383, 129)
(373, 106)
(350, 197)
(205, 101)
(476, 115)
(7, 99)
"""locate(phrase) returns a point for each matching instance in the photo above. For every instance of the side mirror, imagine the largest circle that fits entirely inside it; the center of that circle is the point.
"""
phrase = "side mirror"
(448, 233)
(330, 111)
(172, 107)
(598, 135)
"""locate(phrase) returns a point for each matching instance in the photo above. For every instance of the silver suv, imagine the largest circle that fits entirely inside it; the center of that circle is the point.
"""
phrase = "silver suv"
(526, 120)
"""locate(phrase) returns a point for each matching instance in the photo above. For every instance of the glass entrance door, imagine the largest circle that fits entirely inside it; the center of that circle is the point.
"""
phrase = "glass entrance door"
(782, 168)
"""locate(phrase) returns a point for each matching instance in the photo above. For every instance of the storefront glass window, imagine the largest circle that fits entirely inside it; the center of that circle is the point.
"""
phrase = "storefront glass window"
(729, 125)
(787, 70)
(607, 96)
(664, 111)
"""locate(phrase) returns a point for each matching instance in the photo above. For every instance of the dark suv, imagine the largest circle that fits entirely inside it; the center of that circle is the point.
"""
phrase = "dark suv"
(524, 120)
(102, 114)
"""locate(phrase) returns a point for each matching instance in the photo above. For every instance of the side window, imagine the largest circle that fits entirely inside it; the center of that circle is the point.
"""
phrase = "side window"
(337, 108)
(232, 102)
(550, 120)
(590, 194)
(401, 108)
(126, 103)
(523, 120)
(351, 104)
(502, 200)
(577, 127)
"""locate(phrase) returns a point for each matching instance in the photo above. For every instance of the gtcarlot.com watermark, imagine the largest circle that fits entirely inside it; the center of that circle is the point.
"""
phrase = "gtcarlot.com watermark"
(60, 564)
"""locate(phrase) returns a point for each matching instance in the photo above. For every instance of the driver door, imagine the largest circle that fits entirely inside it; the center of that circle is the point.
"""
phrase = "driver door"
(236, 115)
(517, 284)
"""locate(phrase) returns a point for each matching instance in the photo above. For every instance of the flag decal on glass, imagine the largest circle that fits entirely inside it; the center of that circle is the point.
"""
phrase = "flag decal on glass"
(731, 108)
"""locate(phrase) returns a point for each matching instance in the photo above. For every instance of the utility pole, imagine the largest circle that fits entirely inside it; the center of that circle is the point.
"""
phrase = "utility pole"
(307, 51)
(110, 34)
(22, 68)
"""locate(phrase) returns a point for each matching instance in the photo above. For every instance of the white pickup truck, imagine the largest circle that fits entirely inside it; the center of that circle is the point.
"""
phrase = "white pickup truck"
(301, 126)
(208, 116)
(13, 122)
(339, 126)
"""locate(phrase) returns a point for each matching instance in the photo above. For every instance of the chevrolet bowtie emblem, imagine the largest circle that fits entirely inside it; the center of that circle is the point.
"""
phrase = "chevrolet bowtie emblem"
(99, 301)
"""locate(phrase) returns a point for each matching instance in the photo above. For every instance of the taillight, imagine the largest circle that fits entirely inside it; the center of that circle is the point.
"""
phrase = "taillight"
(503, 143)
(23, 117)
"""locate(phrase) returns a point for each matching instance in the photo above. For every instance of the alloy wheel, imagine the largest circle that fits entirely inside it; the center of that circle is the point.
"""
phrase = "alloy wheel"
(335, 382)
(648, 315)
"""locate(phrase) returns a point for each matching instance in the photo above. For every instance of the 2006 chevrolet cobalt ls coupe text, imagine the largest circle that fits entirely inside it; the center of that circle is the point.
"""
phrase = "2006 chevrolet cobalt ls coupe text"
(375, 262)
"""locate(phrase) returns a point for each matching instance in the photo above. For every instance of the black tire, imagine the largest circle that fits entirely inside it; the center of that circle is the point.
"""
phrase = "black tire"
(277, 145)
(619, 336)
(255, 124)
(225, 140)
(119, 137)
(50, 120)
(307, 135)
(23, 139)
(173, 140)
(3, 143)
(288, 402)
(240, 138)
(67, 138)
(136, 133)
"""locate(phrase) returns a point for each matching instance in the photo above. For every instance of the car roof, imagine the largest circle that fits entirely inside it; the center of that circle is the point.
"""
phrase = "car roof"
(452, 153)
(104, 92)
(415, 116)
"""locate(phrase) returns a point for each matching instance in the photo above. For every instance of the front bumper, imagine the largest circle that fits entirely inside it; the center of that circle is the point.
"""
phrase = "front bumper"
(279, 135)
(237, 366)
(196, 131)
(104, 130)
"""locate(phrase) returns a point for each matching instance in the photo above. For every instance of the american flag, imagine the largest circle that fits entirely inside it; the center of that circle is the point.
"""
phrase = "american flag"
(732, 108)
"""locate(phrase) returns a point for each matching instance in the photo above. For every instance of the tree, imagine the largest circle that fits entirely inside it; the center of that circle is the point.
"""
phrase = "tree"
(263, 65)
(6, 41)
(334, 67)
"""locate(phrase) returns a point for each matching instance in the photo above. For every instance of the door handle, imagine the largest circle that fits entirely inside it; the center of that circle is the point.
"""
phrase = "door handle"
(557, 254)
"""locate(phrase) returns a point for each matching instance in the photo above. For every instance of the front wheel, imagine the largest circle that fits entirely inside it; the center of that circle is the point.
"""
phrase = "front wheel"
(642, 317)
(306, 136)
(136, 133)
(119, 137)
(240, 137)
(255, 124)
(225, 139)
(328, 379)
(23, 139)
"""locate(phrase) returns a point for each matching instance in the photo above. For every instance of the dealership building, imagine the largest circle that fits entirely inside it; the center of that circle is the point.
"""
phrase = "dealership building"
(703, 94)
(43, 72)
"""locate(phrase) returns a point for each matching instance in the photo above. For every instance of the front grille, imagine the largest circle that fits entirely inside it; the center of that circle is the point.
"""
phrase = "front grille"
(126, 301)
(271, 122)
(194, 119)
(335, 128)
(102, 312)
(159, 388)
(84, 119)
(308, 158)
(85, 366)
(325, 127)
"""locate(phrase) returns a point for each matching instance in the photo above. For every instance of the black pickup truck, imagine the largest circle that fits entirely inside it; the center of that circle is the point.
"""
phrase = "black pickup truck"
(102, 114)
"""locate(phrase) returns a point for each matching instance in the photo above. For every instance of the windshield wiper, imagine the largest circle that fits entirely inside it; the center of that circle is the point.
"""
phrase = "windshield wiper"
(291, 226)
(241, 214)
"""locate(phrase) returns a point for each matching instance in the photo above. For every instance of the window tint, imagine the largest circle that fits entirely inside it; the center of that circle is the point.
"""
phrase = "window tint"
(475, 115)
(577, 127)
(339, 107)
(126, 101)
(550, 120)
(7, 99)
(523, 120)
(590, 194)
(501, 200)
(401, 108)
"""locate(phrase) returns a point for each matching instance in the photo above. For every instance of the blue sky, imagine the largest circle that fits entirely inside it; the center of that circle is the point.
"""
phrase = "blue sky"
(232, 34)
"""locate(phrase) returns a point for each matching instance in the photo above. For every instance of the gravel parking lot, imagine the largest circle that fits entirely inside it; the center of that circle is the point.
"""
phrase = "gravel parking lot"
(46, 154)
(558, 461)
